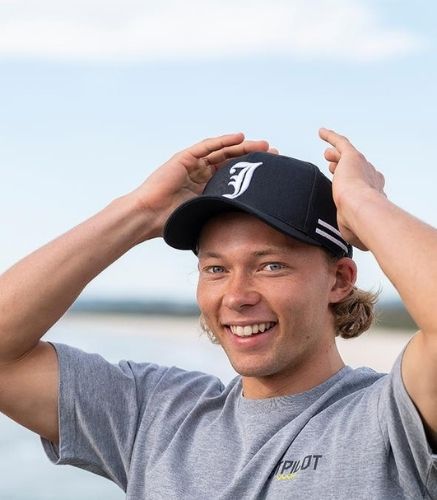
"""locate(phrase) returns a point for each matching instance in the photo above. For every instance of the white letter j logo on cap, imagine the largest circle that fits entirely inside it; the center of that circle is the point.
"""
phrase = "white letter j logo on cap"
(241, 181)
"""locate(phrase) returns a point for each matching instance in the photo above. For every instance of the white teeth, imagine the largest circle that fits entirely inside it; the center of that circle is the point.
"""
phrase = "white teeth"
(247, 330)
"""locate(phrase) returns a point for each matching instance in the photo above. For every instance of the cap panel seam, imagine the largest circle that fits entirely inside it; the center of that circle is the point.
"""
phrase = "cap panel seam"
(310, 203)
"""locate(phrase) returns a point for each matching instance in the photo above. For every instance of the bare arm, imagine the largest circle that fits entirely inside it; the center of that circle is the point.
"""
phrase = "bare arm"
(406, 250)
(37, 291)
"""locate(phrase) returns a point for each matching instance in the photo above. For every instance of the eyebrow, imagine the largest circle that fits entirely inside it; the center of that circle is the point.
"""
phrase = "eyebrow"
(268, 251)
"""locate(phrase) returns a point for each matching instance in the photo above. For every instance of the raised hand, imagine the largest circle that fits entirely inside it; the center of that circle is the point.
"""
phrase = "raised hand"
(186, 173)
(354, 178)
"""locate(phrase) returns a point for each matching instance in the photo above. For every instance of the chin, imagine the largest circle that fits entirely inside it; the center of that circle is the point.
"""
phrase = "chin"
(253, 371)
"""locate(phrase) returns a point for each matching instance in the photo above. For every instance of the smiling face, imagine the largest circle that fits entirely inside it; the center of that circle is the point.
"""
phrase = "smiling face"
(266, 297)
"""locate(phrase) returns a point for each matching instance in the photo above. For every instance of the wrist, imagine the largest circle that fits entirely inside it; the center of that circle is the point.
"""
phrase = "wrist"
(141, 219)
(358, 208)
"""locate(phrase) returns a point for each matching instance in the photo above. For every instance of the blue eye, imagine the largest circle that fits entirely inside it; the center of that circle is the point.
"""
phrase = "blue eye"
(215, 269)
(273, 266)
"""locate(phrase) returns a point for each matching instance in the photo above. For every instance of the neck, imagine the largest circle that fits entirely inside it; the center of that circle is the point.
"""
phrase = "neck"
(300, 377)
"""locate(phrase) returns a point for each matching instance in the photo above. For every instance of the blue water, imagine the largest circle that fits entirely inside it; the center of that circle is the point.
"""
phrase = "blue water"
(26, 473)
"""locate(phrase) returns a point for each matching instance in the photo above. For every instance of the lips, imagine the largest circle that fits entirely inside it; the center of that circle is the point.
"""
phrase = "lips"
(253, 329)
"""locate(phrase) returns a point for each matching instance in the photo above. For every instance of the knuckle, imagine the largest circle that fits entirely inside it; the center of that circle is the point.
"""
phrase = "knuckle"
(226, 154)
(205, 161)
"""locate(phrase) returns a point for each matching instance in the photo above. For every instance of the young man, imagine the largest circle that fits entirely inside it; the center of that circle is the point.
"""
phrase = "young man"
(274, 267)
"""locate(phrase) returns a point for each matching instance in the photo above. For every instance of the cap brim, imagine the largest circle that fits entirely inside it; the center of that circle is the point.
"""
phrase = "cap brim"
(184, 225)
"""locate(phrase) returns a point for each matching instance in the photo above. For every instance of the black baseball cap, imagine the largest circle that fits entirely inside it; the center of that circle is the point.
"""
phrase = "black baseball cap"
(290, 195)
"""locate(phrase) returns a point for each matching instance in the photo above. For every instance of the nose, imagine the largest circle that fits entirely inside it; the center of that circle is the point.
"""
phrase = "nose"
(240, 293)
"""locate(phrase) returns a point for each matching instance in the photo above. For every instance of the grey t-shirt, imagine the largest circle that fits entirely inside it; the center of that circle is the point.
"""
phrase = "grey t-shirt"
(165, 433)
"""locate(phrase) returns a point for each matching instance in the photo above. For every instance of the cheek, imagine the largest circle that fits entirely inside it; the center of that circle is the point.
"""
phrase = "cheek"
(305, 298)
(317, 303)
(206, 298)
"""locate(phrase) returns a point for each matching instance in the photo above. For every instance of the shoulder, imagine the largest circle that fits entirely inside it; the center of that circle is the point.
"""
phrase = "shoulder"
(85, 373)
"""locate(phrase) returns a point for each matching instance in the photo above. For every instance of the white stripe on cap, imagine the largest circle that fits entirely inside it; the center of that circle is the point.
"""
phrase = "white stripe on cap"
(333, 239)
(328, 226)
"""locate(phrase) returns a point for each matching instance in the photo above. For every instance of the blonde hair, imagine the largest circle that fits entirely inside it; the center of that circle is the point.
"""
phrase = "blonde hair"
(354, 314)
(205, 329)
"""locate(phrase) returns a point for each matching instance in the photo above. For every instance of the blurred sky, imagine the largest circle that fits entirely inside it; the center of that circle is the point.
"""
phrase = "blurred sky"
(95, 94)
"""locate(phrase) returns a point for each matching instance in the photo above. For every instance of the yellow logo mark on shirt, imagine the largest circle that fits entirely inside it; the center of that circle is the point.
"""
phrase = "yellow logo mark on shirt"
(286, 477)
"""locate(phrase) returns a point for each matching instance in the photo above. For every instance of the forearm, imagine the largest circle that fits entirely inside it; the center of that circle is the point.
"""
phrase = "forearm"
(405, 248)
(37, 291)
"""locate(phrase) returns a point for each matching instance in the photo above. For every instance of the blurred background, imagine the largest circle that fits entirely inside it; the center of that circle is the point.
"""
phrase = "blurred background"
(95, 95)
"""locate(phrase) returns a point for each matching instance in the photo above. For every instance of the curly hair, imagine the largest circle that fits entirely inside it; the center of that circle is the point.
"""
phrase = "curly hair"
(205, 329)
(354, 314)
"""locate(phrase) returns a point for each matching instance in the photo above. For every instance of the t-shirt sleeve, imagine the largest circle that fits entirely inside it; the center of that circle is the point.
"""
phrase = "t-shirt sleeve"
(410, 456)
(99, 411)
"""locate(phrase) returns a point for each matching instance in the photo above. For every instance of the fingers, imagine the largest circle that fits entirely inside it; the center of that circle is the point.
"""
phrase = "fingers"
(220, 156)
(208, 146)
(202, 160)
(338, 141)
(332, 155)
(341, 146)
(215, 151)
(251, 146)
(332, 166)
(343, 152)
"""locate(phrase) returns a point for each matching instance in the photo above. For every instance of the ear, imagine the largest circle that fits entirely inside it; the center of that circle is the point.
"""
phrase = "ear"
(345, 277)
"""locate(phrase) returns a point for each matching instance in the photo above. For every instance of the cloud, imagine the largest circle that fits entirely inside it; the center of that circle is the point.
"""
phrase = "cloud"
(134, 30)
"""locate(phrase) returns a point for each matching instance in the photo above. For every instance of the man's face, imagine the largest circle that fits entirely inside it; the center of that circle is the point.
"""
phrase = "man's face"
(265, 296)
